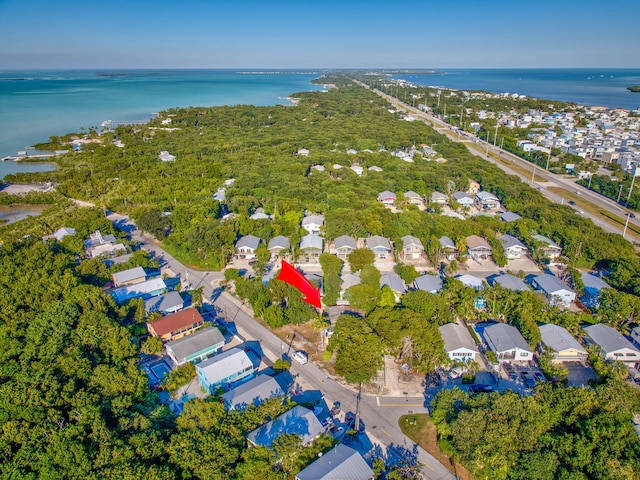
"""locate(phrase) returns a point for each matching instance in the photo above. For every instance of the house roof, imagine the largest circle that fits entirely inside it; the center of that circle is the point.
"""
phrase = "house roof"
(176, 321)
(196, 342)
(474, 241)
(550, 284)
(502, 337)
(593, 282)
(437, 196)
(461, 195)
(559, 339)
(471, 281)
(253, 392)
(299, 420)
(313, 220)
(349, 280)
(345, 241)
(163, 303)
(484, 196)
(128, 275)
(279, 242)
(63, 232)
(311, 240)
(455, 337)
(219, 367)
(408, 241)
(446, 242)
(510, 217)
(394, 281)
(378, 242)
(510, 282)
(248, 241)
(139, 289)
(609, 339)
(509, 241)
(412, 194)
(385, 195)
(339, 463)
(375, 168)
(428, 283)
(547, 240)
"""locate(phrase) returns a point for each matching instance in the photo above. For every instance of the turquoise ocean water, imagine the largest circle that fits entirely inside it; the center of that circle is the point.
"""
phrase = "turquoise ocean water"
(37, 104)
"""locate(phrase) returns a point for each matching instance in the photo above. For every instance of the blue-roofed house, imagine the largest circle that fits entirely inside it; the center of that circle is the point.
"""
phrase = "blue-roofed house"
(299, 421)
(224, 369)
(194, 348)
(428, 283)
(556, 292)
(339, 463)
(253, 392)
(592, 287)
(167, 303)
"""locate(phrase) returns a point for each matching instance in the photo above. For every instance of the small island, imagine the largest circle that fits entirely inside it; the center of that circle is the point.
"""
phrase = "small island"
(634, 88)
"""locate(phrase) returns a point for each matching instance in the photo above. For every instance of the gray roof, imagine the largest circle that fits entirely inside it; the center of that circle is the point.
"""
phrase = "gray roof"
(196, 342)
(253, 392)
(394, 281)
(437, 196)
(510, 282)
(461, 195)
(128, 275)
(428, 283)
(412, 194)
(224, 364)
(248, 241)
(386, 194)
(502, 337)
(593, 282)
(558, 338)
(139, 289)
(63, 232)
(483, 196)
(339, 463)
(299, 420)
(456, 336)
(408, 241)
(378, 241)
(162, 303)
(313, 219)
(609, 339)
(349, 280)
(279, 242)
(550, 284)
(510, 217)
(311, 240)
(345, 241)
(509, 241)
(447, 242)
(471, 281)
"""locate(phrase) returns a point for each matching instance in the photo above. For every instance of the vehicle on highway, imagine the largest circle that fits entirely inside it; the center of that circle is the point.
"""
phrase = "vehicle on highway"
(300, 356)
(571, 202)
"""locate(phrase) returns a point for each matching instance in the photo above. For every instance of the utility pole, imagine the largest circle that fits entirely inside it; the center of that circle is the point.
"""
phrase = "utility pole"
(548, 159)
(590, 178)
(619, 193)
(495, 137)
(624, 232)
(633, 179)
(357, 425)
(533, 174)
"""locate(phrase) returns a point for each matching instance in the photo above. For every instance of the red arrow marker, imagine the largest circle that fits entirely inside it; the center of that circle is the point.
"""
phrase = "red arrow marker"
(294, 278)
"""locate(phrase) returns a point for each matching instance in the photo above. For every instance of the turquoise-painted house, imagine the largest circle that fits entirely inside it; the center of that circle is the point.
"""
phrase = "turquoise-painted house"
(224, 369)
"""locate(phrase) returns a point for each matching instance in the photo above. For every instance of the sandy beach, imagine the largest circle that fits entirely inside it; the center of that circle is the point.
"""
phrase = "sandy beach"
(24, 188)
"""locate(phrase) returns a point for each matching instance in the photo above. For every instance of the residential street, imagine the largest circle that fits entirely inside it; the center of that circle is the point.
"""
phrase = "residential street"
(379, 414)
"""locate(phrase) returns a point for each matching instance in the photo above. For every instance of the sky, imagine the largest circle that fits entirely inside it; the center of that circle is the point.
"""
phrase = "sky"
(63, 34)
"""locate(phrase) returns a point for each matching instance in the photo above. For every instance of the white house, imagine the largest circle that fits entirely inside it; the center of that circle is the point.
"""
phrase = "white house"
(612, 344)
(246, 247)
(414, 198)
(458, 342)
(166, 156)
(313, 223)
(387, 198)
(507, 343)
(463, 199)
(478, 248)
(556, 292)
(428, 283)
(412, 248)
(513, 248)
(487, 200)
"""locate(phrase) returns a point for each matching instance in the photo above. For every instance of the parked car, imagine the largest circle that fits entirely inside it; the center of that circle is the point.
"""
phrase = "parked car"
(481, 388)
(300, 356)
(335, 410)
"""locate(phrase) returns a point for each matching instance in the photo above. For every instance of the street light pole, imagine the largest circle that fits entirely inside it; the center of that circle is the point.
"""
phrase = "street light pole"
(624, 232)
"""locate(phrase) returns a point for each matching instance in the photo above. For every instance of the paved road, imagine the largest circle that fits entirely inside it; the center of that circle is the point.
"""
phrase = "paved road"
(535, 174)
(379, 414)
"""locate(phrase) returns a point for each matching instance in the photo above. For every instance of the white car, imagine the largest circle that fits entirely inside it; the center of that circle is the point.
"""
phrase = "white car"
(300, 356)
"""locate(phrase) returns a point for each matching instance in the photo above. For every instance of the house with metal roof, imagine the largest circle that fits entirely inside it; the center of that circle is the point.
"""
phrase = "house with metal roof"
(129, 277)
(414, 198)
(194, 348)
(458, 342)
(470, 281)
(348, 280)
(380, 246)
(478, 248)
(311, 246)
(168, 303)
(344, 245)
(165, 156)
(487, 200)
(613, 346)
(592, 287)
(412, 248)
(428, 283)
(299, 421)
(176, 325)
(253, 392)
(509, 217)
(63, 232)
(246, 247)
(260, 214)
(224, 369)
(395, 283)
(463, 199)
(507, 343)
(438, 198)
(565, 348)
(508, 281)
(277, 245)
(313, 223)
(513, 248)
(144, 290)
(339, 463)
(549, 248)
(554, 289)
(448, 247)
(387, 198)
